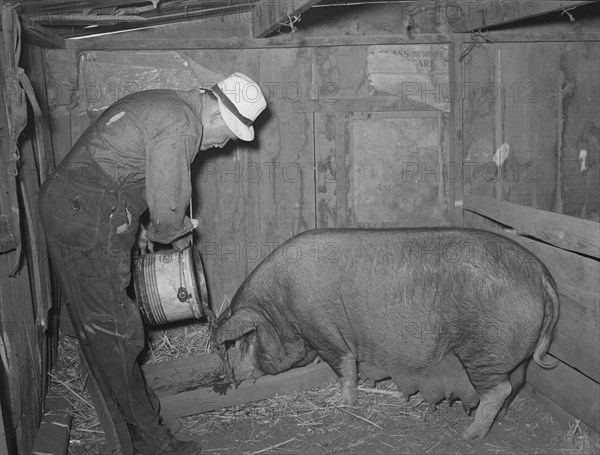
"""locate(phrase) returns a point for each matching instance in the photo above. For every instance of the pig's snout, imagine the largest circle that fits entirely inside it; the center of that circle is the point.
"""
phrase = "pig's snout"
(242, 360)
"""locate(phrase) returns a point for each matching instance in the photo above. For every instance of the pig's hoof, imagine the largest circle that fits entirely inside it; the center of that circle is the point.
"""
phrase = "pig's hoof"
(350, 401)
(474, 431)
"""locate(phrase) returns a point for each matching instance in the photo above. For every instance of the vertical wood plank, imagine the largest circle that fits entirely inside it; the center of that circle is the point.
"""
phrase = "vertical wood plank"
(499, 110)
(342, 165)
(36, 72)
(327, 169)
(529, 80)
(441, 177)
(61, 79)
(287, 146)
(32, 337)
(37, 257)
(21, 381)
(19, 337)
(560, 106)
(335, 78)
(456, 168)
(478, 116)
(452, 131)
(580, 97)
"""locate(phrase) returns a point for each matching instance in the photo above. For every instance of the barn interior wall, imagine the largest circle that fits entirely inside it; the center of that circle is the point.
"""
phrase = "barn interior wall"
(27, 333)
(364, 135)
(543, 101)
(251, 197)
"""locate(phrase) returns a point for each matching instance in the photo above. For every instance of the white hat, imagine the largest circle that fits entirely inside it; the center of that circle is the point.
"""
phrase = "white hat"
(240, 102)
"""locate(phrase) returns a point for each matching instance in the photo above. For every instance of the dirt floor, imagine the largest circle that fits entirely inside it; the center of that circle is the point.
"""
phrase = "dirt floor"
(314, 422)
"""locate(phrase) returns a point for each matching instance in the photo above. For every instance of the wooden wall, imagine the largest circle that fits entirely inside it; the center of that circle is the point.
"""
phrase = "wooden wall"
(542, 100)
(348, 139)
(368, 135)
(27, 334)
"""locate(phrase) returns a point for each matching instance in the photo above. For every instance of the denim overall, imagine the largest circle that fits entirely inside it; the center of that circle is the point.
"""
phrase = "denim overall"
(91, 223)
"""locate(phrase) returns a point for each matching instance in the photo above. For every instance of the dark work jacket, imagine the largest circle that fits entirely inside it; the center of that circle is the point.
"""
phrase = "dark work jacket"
(151, 136)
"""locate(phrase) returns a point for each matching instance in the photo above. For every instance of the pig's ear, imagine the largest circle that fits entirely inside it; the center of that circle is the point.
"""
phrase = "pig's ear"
(236, 326)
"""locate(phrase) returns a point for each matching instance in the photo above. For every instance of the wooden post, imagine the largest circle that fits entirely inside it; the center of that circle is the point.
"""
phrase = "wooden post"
(455, 155)
(55, 429)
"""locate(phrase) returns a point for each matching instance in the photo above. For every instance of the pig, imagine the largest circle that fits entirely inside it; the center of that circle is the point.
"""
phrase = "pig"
(451, 312)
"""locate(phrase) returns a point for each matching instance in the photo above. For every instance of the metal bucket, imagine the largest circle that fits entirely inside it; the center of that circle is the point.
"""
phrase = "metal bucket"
(170, 286)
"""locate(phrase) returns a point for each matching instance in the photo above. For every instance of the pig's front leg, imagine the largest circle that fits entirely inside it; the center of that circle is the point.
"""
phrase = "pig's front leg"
(348, 377)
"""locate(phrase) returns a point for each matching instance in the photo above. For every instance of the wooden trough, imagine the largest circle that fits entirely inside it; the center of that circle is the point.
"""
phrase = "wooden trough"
(191, 386)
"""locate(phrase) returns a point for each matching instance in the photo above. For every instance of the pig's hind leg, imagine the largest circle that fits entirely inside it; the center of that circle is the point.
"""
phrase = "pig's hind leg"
(517, 379)
(492, 399)
(488, 368)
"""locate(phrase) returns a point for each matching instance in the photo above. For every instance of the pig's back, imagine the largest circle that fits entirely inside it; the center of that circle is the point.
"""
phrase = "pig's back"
(381, 289)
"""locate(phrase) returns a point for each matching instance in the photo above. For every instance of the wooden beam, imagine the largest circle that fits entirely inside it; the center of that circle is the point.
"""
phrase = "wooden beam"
(124, 42)
(269, 15)
(465, 16)
(514, 36)
(361, 104)
(40, 36)
(577, 339)
(576, 275)
(145, 40)
(181, 375)
(213, 398)
(571, 390)
(564, 417)
(77, 12)
(52, 437)
(567, 232)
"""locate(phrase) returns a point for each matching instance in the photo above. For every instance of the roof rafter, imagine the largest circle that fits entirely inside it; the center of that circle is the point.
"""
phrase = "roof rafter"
(41, 36)
(268, 15)
(465, 16)
(33, 32)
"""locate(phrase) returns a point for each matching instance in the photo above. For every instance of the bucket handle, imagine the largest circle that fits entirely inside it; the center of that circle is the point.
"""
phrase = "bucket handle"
(182, 293)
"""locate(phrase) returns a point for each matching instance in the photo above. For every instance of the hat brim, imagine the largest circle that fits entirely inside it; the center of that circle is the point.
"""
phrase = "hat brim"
(242, 131)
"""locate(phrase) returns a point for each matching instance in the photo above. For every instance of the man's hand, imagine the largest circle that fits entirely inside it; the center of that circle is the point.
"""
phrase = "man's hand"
(182, 242)
(144, 244)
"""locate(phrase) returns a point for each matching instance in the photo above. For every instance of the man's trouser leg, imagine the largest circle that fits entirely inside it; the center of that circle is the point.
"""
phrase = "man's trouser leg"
(91, 232)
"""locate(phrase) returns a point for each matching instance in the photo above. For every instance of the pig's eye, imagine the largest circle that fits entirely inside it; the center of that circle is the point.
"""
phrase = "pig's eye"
(243, 345)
